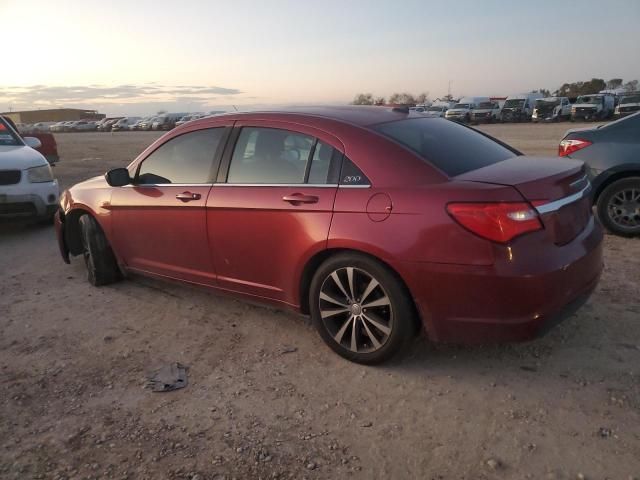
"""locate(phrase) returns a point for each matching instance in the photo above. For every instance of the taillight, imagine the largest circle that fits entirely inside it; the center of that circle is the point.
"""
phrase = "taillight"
(567, 147)
(499, 222)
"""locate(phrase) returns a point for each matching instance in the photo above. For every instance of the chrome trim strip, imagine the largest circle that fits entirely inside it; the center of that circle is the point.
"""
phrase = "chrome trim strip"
(584, 178)
(293, 185)
(143, 185)
(557, 204)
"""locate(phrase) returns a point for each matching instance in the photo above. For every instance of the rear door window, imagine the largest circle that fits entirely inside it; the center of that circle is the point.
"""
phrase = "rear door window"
(453, 148)
(276, 156)
(325, 165)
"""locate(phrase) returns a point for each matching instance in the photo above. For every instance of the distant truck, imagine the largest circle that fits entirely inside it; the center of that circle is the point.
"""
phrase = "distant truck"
(597, 106)
(461, 111)
(438, 109)
(551, 109)
(629, 103)
(124, 123)
(167, 121)
(486, 112)
(519, 107)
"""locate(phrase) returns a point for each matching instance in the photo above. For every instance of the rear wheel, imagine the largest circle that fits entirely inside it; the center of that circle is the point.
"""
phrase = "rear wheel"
(99, 259)
(619, 207)
(360, 308)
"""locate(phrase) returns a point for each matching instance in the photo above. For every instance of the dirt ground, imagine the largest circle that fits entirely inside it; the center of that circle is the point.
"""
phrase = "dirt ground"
(267, 399)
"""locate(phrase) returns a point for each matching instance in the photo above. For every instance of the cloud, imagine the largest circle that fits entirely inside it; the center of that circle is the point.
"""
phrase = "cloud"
(39, 96)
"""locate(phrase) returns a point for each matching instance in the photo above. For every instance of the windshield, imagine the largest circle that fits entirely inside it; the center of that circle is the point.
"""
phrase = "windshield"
(514, 103)
(485, 105)
(630, 99)
(451, 147)
(435, 109)
(7, 137)
(586, 99)
(461, 105)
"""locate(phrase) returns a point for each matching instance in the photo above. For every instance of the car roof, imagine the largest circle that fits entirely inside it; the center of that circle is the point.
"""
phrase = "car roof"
(355, 115)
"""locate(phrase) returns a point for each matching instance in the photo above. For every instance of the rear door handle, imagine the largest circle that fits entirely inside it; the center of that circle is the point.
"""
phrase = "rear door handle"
(299, 198)
(188, 196)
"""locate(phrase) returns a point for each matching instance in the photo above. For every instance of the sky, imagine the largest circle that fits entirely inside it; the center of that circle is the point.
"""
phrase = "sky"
(139, 57)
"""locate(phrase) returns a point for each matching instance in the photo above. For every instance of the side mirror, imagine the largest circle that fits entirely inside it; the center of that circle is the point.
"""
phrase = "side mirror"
(118, 177)
(32, 142)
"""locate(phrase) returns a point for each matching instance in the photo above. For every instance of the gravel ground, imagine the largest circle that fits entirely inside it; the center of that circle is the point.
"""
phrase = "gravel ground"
(267, 399)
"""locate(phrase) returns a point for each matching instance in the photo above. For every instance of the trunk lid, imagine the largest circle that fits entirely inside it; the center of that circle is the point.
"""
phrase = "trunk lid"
(556, 186)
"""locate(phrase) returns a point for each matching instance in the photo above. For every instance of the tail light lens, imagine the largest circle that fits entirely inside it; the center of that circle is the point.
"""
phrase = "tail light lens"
(500, 222)
(567, 147)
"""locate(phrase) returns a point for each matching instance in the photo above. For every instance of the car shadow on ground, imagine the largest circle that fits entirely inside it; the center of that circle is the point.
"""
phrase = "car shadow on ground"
(420, 356)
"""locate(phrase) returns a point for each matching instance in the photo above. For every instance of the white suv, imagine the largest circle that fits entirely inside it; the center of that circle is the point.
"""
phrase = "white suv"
(27, 186)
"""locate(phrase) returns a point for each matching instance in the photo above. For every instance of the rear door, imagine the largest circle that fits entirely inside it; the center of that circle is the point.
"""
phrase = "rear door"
(159, 222)
(271, 208)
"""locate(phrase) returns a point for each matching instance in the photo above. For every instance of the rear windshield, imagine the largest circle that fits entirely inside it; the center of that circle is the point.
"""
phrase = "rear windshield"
(7, 137)
(453, 148)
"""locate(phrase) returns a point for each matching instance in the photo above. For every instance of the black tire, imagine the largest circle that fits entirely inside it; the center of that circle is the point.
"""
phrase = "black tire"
(618, 207)
(379, 333)
(99, 259)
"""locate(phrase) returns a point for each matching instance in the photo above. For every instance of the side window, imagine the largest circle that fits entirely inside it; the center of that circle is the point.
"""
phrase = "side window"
(352, 175)
(325, 165)
(270, 155)
(184, 159)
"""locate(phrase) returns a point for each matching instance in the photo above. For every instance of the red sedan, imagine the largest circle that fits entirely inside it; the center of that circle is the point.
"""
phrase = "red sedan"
(372, 220)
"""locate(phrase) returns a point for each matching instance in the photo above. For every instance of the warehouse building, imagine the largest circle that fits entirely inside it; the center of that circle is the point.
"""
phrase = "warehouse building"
(53, 115)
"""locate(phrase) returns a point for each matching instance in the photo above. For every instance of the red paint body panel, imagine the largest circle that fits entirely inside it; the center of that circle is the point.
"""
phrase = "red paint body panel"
(249, 241)
(261, 243)
(155, 232)
(513, 299)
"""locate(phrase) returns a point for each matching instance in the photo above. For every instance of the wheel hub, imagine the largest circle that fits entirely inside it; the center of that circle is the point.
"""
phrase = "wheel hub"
(356, 310)
(624, 208)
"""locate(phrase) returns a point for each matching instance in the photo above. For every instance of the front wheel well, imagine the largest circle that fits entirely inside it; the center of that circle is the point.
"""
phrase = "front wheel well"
(614, 178)
(72, 232)
(314, 263)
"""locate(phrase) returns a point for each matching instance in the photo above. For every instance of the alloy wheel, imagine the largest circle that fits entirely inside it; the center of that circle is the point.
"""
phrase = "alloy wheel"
(624, 208)
(356, 310)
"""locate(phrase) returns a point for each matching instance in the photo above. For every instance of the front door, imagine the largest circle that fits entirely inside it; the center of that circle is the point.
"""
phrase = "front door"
(272, 207)
(159, 222)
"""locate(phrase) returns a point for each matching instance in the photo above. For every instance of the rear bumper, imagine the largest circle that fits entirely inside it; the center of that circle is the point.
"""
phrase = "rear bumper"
(512, 300)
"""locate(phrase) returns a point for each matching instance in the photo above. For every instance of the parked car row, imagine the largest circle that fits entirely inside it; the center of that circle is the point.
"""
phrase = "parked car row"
(534, 107)
(166, 121)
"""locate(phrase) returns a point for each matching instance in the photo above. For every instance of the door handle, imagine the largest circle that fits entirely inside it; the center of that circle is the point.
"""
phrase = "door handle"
(299, 198)
(188, 196)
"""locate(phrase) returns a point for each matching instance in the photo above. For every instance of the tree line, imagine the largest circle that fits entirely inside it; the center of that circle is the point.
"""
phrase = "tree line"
(574, 89)
(396, 99)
